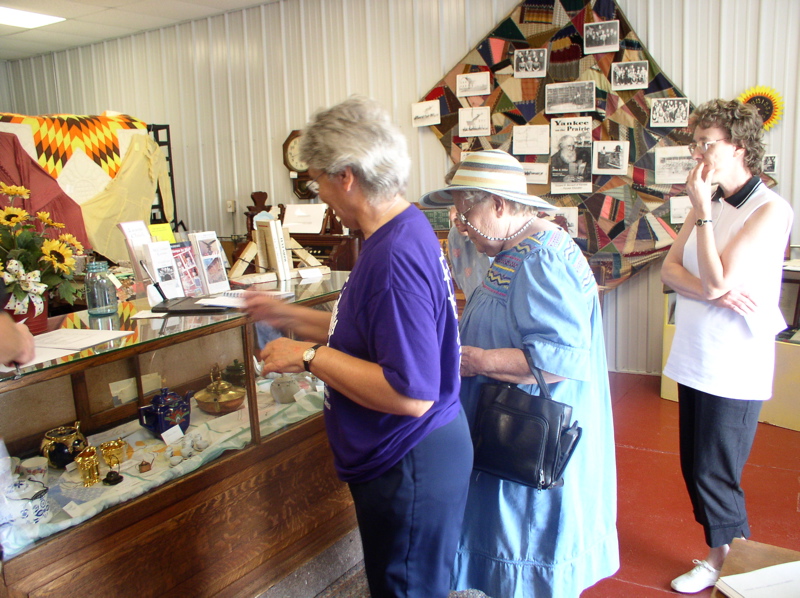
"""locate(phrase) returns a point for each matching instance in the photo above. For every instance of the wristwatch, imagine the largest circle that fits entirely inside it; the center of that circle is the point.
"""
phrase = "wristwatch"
(701, 222)
(308, 355)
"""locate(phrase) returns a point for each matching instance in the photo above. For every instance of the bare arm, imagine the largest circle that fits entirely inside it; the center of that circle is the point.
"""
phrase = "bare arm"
(306, 323)
(506, 365)
(359, 380)
(725, 273)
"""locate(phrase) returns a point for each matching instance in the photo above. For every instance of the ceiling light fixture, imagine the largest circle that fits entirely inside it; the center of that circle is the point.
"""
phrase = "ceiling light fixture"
(25, 19)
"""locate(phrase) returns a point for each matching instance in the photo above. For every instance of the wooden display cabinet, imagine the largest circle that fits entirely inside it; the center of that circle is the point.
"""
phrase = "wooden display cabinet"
(234, 526)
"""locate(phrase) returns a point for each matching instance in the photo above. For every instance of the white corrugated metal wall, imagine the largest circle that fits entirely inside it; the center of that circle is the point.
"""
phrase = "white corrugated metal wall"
(233, 86)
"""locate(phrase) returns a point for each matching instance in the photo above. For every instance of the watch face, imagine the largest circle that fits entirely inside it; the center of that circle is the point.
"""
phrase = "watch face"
(293, 156)
(309, 354)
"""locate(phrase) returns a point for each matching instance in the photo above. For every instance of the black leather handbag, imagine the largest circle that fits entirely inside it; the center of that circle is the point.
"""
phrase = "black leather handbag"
(521, 437)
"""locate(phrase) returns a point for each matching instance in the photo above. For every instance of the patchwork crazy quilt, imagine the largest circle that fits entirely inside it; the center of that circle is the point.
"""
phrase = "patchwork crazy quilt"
(623, 224)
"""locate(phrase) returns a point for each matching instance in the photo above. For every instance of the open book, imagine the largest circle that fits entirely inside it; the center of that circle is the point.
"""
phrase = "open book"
(236, 298)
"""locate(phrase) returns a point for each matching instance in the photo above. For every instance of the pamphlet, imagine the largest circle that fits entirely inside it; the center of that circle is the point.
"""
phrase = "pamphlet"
(778, 581)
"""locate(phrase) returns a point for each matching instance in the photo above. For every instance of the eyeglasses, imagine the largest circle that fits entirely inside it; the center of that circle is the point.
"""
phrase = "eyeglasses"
(702, 146)
(461, 217)
(313, 185)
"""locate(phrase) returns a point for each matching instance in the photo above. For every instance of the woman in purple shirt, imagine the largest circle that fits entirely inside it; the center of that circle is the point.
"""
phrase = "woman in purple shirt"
(388, 354)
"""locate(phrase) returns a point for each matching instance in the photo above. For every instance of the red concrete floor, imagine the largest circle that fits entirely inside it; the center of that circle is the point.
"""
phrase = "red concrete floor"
(657, 533)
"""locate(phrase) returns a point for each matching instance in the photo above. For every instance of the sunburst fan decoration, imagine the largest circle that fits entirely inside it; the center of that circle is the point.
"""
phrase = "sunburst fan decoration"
(768, 102)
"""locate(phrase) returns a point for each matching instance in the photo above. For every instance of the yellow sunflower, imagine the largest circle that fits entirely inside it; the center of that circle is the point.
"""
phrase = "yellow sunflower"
(14, 191)
(45, 217)
(11, 216)
(59, 254)
(70, 239)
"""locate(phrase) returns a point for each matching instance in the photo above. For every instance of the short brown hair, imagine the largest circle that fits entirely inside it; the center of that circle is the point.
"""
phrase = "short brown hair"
(743, 124)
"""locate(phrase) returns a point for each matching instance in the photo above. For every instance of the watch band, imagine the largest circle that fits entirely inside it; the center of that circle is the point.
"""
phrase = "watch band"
(307, 362)
(701, 222)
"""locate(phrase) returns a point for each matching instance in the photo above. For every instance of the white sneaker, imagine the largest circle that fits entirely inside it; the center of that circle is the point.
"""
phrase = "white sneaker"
(701, 577)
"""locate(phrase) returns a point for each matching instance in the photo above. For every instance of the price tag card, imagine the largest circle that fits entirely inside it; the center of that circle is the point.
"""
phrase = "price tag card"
(173, 435)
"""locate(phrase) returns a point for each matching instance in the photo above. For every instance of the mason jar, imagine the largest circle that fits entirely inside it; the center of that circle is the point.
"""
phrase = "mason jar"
(101, 294)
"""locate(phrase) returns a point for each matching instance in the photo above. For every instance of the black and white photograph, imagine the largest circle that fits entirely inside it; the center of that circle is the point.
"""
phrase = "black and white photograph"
(610, 157)
(669, 112)
(571, 155)
(601, 37)
(679, 207)
(575, 96)
(166, 273)
(770, 164)
(474, 122)
(473, 84)
(529, 63)
(673, 164)
(629, 75)
(567, 218)
(425, 114)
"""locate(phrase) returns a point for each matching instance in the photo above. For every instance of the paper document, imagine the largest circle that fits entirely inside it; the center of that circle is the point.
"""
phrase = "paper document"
(236, 298)
(778, 581)
(42, 355)
(77, 340)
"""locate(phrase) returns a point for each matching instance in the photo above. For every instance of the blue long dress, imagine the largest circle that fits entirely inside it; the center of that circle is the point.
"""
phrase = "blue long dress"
(516, 541)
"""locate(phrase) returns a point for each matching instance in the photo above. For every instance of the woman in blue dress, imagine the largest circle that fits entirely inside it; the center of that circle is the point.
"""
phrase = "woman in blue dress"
(539, 298)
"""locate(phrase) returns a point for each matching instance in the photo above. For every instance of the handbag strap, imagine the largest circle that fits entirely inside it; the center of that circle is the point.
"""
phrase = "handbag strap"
(539, 375)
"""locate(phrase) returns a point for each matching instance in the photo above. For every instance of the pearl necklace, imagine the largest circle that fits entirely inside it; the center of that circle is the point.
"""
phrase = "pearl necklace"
(508, 238)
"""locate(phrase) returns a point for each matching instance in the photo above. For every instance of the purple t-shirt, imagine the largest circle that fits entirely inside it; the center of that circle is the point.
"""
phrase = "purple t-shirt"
(398, 310)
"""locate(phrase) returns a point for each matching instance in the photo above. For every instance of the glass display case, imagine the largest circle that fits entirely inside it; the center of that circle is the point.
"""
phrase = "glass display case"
(107, 389)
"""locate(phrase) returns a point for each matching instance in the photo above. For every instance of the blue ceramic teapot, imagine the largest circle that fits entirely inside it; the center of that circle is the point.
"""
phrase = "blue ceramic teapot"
(167, 409)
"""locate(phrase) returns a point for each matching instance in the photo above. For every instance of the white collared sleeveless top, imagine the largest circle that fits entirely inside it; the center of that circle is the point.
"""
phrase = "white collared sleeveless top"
(715, 350)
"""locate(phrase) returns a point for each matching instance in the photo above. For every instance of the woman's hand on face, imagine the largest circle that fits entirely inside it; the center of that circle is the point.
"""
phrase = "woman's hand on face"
(284, 355)
(699, 190)
(262, 306)
(471, 361)
(738, 301)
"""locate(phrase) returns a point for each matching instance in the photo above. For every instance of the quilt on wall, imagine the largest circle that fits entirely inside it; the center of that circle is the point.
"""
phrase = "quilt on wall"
(83, 153)
(623, 222)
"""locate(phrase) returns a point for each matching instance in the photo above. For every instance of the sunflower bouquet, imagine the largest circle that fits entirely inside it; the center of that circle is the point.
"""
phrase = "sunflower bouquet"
(35, 258)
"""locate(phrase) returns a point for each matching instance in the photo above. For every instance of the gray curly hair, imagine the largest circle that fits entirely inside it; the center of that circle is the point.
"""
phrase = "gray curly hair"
(358, 133)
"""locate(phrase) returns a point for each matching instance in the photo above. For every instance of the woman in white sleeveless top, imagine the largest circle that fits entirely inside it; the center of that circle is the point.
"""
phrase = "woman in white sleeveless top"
(725, 266)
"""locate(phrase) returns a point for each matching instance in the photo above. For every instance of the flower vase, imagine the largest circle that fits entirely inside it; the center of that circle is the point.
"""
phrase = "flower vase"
(36, 324)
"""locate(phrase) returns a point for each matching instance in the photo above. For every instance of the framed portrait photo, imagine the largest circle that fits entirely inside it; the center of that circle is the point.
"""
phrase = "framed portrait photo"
(669, 112)
(531, 62)
(574, 96)
(601, 37)
(630, 75)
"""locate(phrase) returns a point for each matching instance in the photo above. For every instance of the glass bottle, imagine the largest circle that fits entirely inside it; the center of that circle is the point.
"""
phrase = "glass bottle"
(101, 294)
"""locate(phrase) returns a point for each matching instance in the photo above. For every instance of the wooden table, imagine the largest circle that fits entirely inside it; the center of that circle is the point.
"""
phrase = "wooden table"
(746, 555)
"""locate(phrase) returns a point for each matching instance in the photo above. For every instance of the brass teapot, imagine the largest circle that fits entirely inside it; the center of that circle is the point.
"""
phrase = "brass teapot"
(220, 397)
(61, 445)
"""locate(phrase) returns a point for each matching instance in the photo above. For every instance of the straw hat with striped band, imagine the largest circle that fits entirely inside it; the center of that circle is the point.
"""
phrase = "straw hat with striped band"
(492, 171)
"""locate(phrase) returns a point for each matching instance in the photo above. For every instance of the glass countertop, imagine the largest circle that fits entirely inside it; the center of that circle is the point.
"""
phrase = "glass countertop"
(148, 330)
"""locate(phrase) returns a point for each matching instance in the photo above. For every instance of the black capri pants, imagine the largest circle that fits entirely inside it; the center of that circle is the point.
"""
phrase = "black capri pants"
(716, 435)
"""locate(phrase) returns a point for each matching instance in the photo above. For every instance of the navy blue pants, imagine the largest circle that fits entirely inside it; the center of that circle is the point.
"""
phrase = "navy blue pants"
(410, 517)
(716, 435)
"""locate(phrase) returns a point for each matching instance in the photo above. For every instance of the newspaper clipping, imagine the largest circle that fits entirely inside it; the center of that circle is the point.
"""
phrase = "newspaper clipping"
(571, 155)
